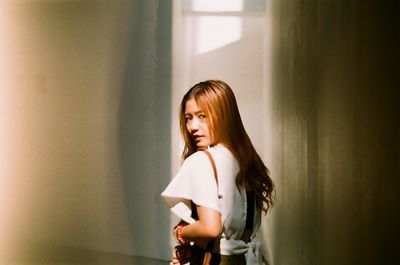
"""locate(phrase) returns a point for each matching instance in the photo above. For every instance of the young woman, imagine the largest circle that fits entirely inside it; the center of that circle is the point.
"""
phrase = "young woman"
(229, 212)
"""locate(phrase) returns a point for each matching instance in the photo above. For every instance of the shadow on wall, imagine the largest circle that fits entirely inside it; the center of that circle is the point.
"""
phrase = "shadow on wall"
(144, 129)
(335, 137)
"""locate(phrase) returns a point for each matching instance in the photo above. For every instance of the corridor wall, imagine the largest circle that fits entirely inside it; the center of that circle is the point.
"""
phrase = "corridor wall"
(85, 134)
(334, 128)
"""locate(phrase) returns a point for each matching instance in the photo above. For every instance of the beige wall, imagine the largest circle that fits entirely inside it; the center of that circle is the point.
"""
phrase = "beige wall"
(84, 132)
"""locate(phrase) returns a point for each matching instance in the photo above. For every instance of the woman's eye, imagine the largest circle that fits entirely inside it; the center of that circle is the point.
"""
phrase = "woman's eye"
(202, 116)
(188, 118)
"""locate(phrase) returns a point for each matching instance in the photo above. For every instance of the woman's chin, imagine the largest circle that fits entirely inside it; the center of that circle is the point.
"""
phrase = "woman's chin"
(202, 146)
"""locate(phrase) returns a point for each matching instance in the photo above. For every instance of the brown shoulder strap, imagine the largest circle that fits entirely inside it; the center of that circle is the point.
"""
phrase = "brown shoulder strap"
(210, 245)
(213, 165)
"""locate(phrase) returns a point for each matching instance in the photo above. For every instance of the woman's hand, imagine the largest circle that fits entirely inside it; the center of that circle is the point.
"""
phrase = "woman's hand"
(181, 254)
(174, 262)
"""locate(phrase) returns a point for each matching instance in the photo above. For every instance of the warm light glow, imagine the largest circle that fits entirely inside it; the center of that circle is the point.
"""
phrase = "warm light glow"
(7, 123)
(214, 32)
(3, 122)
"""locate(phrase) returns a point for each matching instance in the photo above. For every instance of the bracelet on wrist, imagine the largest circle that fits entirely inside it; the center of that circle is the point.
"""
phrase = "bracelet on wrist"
(177, 233)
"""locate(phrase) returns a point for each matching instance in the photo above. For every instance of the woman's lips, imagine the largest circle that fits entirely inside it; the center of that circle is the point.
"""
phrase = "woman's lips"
(198, 138)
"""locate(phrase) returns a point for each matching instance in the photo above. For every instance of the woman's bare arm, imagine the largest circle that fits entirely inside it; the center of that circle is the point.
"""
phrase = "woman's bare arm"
(207, 227)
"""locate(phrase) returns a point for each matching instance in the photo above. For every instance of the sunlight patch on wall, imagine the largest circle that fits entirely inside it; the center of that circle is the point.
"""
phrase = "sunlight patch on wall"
(223, 5)
(214, 5)
(214, 32)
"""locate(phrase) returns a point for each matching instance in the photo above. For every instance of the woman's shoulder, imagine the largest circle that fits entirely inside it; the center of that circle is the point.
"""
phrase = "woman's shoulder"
(218, 149)
(196, 156)
(195, 160)
(219, 153)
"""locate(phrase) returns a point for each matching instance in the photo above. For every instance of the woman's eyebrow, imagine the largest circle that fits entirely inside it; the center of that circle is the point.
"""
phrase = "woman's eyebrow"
(197, 112)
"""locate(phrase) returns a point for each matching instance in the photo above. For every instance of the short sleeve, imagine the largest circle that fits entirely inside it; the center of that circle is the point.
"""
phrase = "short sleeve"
(194, 181)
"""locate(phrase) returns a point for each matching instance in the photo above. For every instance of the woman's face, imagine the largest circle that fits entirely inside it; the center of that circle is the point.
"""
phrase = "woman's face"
(196, 124)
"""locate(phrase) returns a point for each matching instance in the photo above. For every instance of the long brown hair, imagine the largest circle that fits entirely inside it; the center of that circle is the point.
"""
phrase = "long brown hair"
(218, 102)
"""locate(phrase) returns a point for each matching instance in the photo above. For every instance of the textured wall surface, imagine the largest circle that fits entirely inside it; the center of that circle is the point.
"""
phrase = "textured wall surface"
(335, 76)
(85, 126)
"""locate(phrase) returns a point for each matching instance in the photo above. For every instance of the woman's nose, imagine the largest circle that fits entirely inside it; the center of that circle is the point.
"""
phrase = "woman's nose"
(194, 125)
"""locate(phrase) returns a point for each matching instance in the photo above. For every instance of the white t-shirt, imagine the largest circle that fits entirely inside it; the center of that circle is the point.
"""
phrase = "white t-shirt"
(195, 181)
